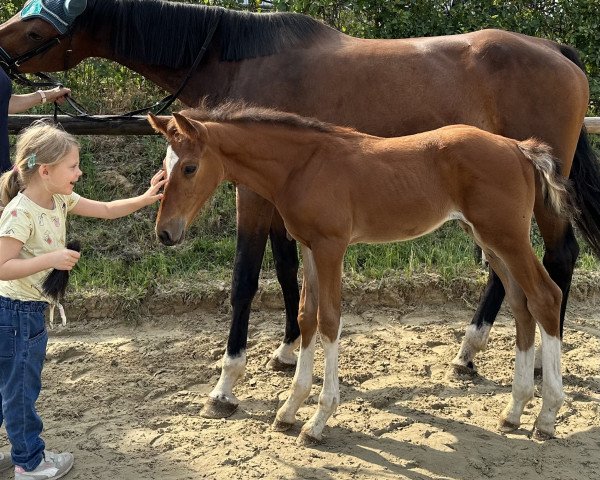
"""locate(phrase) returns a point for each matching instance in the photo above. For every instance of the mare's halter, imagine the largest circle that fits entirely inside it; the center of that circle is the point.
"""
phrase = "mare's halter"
(10, 66)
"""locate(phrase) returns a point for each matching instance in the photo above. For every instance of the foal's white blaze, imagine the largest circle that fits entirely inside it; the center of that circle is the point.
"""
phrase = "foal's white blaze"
(171, 159)
(552, 389)
(474, 341)
(301, 384)
(522, 387)
(329, 399)
(233, 369)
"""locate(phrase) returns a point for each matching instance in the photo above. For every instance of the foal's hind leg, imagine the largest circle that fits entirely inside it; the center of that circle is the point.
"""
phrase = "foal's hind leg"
(286, 265)
(254, 216)
(543, 302)
(523, 383)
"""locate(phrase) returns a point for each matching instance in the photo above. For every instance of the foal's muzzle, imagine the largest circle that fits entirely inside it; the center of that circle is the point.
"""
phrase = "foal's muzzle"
(171, 233)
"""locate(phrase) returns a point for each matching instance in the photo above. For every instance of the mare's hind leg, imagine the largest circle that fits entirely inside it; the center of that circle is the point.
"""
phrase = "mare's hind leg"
(477, 333)
(254, 216)
(286, 265)
(559, 260)
(307, 320)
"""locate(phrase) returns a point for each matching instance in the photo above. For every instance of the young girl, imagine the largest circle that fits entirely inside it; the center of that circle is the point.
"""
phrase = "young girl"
(38, 193)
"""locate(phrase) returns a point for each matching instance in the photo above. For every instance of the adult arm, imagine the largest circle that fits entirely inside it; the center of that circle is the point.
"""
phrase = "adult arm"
(20, 103)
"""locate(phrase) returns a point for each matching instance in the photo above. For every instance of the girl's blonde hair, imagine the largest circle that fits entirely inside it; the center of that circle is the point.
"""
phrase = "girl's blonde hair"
(40, 143)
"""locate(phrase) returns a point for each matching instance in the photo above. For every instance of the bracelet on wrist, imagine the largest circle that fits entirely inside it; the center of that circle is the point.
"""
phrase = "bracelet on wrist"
(43, 95)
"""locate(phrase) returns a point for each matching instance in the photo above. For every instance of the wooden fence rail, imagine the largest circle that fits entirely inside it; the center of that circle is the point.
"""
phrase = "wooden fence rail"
(139, 126)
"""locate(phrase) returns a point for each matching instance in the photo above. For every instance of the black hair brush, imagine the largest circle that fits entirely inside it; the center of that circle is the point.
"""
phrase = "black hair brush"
(56, 282)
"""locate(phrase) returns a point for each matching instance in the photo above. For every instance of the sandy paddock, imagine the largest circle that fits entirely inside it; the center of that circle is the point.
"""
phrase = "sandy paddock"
(125, 401)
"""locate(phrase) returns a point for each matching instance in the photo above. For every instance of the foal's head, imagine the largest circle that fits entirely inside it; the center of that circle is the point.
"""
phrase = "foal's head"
(193, 170)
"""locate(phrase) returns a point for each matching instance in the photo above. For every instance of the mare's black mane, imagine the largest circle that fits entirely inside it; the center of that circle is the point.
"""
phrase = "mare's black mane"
(171, 34)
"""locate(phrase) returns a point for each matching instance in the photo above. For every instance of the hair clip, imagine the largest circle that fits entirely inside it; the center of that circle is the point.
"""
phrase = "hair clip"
(31, 160)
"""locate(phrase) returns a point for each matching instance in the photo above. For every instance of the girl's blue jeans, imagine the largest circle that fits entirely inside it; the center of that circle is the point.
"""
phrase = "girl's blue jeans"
(23, 340)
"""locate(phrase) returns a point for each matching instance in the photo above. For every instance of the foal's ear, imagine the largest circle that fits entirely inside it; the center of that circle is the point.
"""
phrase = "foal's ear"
(190, 128)
(159, 124)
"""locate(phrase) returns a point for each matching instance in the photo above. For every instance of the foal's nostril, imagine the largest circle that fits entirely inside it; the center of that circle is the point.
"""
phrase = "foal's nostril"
(165, 237)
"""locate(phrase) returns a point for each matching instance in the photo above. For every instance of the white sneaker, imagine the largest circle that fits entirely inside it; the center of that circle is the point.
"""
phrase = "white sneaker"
(5, 461)
(54, 465)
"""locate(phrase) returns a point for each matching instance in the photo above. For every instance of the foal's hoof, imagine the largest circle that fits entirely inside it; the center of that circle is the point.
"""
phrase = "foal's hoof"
(308, 440)
(506, 427)
(278, 366)
(214, 408)
(280, 426)
(540, 435)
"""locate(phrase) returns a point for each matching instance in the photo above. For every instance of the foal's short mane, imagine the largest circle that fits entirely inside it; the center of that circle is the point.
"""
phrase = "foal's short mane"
(171, 34)
(241, 112)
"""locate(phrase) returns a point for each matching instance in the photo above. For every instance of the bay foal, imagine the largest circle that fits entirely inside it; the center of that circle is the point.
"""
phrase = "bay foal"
(334, 186)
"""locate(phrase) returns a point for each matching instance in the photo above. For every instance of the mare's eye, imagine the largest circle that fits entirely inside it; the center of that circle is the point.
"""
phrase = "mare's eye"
(34, 36)
(189, 169)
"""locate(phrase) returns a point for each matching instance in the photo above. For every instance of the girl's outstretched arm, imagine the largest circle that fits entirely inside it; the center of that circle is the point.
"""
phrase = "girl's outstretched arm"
(120, 208)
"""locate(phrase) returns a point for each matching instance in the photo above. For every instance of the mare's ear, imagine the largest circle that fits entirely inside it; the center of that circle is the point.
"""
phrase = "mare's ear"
(192, 129)
(159, 124)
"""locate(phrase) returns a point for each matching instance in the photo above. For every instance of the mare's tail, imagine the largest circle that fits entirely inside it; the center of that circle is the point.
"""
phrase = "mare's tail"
(555, 187)
(585, 178)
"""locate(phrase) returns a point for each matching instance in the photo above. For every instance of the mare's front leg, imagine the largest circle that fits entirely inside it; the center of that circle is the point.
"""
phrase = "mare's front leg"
(254, 216)
(307, 320)
(285, 255)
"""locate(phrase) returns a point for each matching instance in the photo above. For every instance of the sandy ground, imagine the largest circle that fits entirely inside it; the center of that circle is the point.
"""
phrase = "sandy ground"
(125, 401)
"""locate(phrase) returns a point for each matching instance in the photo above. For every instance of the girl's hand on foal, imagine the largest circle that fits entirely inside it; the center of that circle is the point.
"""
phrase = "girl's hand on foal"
(156, 183)
(64, 259)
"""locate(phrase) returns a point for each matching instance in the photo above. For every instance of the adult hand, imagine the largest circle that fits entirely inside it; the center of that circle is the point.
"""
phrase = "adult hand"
(58, 94)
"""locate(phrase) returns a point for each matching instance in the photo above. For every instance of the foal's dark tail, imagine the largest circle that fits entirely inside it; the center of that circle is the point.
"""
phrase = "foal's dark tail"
(585, 177)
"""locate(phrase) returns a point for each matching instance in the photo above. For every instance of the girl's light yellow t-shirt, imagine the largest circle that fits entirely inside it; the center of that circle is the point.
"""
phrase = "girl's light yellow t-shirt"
(42, 231)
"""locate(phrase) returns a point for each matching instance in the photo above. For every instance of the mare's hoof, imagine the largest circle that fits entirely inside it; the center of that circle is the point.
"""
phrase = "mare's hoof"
(540, 435)
(308, 440)
(506, 427)
(214, 408)
(280, 426)
(278, 366)
(537, 372)
(456, 370)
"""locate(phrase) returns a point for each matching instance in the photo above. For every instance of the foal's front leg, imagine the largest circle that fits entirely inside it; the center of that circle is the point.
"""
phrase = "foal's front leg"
(307, 320)
(328, 262)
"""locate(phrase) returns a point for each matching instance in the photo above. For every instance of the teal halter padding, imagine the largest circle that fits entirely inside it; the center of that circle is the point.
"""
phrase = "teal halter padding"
(60, 13)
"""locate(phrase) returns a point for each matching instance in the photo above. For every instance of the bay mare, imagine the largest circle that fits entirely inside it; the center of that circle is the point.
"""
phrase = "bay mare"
(506, 83)
(334, 186)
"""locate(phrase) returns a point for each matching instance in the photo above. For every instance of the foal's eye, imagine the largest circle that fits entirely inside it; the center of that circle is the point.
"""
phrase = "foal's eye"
(189, 169)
